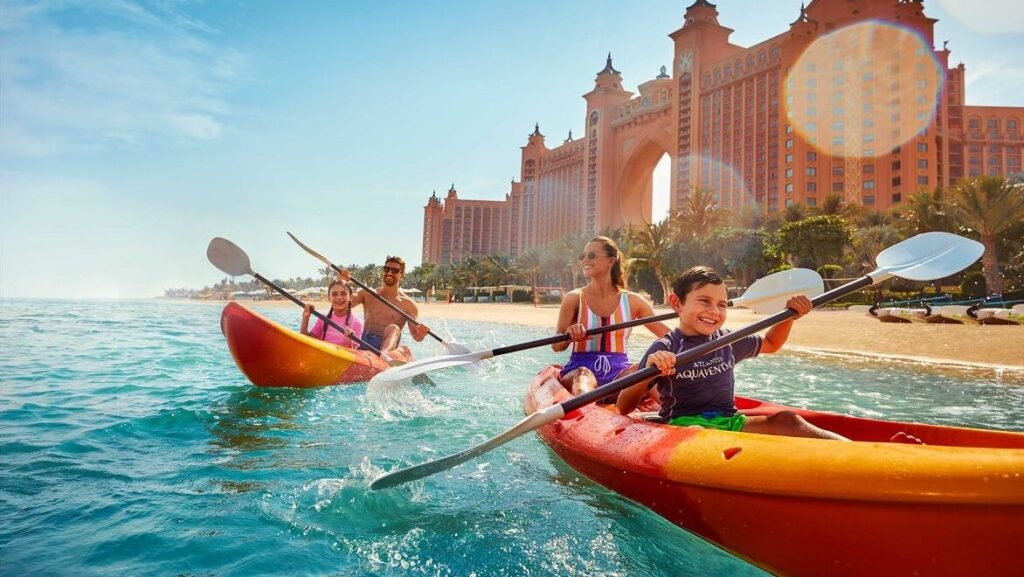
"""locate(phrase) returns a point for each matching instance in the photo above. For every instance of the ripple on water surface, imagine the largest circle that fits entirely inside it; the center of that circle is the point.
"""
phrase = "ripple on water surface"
(140, 449)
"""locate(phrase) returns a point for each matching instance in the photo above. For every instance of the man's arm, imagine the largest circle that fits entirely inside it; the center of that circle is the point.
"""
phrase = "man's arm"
(418, 330)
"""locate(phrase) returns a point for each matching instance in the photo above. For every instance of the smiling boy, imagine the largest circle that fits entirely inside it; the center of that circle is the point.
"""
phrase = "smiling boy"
(701, 393)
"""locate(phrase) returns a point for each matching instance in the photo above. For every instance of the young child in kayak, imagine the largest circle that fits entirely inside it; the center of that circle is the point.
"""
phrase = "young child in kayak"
(700, 393)
(604, 301)
(340, 314)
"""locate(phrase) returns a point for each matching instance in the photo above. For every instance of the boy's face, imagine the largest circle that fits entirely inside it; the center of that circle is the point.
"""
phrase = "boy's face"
(704, 310)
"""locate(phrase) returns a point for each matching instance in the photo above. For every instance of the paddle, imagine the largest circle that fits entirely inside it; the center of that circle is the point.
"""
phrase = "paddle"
(453, 348)
(768, 294)
(231, 259)
(927, 256)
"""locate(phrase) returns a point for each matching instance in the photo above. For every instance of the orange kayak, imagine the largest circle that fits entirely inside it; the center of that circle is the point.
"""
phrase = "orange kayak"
(954, 506)
(271, 355)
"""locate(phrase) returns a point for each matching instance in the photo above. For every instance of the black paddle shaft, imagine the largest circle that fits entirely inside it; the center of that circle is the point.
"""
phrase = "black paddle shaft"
(387, 303)
(599, 330)
(710, 346)
(337, 327)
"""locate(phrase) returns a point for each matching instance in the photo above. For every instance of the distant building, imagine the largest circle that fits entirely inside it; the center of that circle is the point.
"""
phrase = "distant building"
(766, 125)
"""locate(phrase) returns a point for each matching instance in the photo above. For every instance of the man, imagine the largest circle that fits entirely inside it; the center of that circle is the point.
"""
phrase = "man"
(382, 327)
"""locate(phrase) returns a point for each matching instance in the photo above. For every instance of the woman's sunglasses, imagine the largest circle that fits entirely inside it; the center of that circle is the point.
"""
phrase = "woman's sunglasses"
(591, 255)
(392, 269)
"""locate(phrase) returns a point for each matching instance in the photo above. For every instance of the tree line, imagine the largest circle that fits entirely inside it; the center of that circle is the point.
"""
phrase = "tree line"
(838, 240)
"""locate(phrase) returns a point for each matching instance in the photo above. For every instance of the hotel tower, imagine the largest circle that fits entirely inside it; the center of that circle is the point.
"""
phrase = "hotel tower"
(852, 99)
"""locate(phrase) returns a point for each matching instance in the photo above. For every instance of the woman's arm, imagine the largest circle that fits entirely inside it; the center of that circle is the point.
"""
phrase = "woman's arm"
(641, 308)
(566, 316)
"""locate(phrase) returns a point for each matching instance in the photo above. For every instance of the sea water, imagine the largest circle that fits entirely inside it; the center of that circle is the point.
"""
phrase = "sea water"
(130, 444)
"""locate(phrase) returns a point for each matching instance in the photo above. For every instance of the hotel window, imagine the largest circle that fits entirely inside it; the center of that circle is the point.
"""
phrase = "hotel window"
(974, 124)
(837, 187)
(869, 200)
(812, 187)
(896, 165)
(789, 202)
(789, 158)
(992, 125)
(869, 185)
(789, 129)
(789, 187)
(812, 202)
(838, 111)
(837, 170)
(869, 169)
(789, 143)
(897, 197)
(869, 138)
(812, 156)
(922, 163)
(811, 171)
(1011, 125)
(922, 180)
(837, 141)
(837, 125)
(789, 173)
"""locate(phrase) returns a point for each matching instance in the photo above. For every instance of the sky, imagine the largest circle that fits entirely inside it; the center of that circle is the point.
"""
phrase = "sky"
(131, 133)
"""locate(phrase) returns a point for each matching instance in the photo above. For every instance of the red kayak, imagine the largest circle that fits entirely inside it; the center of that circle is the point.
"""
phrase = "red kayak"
(271, 355)
(793, 506)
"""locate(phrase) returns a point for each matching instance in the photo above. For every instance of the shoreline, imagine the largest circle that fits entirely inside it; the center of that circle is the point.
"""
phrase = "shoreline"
(824, 332)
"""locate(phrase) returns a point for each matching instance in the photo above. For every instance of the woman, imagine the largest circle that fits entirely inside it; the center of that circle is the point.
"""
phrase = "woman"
(340, 314)
(604, 301)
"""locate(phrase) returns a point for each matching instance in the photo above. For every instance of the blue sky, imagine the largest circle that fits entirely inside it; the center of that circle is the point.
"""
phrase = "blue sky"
(133, 132)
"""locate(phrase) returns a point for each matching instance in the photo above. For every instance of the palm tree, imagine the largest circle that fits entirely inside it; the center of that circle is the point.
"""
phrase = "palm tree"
(869, 241)
(926, 212)
(650, 244)
(529, 265)
(700, 214)
(990, 205)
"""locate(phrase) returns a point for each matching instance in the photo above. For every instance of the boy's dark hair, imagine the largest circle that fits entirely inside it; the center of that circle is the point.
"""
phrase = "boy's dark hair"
(693, 279)
(395, 259)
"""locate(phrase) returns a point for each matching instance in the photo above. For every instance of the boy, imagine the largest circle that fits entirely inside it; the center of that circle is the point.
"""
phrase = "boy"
(700, 393)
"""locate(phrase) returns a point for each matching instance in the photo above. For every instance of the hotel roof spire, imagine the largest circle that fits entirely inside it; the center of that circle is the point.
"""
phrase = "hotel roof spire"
(608, 68)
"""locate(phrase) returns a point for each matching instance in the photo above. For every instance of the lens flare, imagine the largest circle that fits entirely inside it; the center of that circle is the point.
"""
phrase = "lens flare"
(863, 90)
(729, 188)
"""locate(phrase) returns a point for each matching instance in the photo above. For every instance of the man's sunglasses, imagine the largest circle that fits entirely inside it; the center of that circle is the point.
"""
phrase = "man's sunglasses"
(591, 255)
(392, 269)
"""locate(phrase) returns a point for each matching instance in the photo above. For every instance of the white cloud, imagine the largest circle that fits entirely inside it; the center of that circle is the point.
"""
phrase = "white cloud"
(85, 75)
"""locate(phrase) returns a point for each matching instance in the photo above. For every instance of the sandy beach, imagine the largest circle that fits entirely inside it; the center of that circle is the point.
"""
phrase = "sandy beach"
(998, 348)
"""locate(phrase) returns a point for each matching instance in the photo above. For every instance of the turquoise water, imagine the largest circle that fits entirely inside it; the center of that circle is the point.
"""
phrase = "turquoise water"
(130, 444)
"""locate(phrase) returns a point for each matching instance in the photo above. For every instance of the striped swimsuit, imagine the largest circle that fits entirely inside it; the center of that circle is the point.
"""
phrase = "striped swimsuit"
(604, 354)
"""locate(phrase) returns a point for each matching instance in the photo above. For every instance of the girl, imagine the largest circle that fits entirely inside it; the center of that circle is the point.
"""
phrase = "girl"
(340, 314)
(604, 301)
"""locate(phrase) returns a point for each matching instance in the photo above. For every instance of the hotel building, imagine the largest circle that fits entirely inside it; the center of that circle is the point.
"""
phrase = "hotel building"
(852, 99)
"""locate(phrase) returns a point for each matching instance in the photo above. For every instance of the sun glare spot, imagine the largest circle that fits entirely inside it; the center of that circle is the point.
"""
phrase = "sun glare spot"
(863, 90)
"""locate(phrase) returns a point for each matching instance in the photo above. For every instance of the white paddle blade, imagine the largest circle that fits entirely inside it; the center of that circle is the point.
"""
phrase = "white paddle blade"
(410, 370)
(530, 423)
(455, 348)
(769, 294)
(228, 257)
(927, 256)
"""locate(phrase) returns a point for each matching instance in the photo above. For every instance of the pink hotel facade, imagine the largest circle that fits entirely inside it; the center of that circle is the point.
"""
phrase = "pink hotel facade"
(721, 116)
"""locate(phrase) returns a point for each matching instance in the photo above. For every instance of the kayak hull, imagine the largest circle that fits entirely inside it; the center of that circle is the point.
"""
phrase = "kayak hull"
(271, 355)
(809, 506)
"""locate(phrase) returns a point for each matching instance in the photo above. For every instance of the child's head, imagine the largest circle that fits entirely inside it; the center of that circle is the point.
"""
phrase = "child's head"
(701, 301)
(339, 294)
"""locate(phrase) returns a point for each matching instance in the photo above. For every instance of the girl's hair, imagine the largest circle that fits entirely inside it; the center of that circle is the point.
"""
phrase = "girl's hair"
(693, 279)
(330, 313)
(612, 249)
